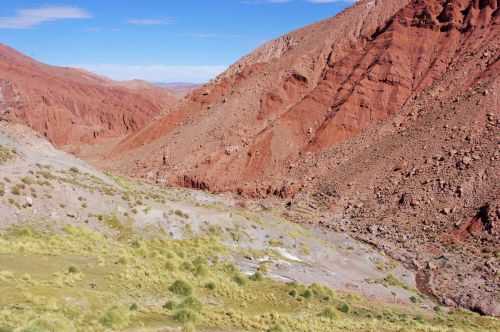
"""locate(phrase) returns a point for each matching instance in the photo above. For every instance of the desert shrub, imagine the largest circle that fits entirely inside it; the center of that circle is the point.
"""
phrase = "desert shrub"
(115, 318)
(46, 175)
(307, 294)
(328, 313)
(181, 214)
(72, 269)
(169, 266)
(257, 276)
(49, 324)
(16, 190)
(210, 285)
(189, 327)
(185, 316)
(27, 180)
(276, 328)
(181, 287)
(133, 307)
(74, 170)
(240, 279)
(187, 266)
(192, 303)
(201, 270)
(344, 307)
(170, 305)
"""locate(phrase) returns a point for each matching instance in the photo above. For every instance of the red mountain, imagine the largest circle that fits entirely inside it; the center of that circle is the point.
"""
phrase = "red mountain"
(71, 106)
(387, 115)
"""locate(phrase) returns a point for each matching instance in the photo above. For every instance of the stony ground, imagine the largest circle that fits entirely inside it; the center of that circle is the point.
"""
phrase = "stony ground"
(86, 251)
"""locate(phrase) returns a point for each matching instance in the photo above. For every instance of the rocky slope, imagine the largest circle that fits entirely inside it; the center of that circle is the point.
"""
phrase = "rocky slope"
(85, 251)
(386, 116)
(70, 106)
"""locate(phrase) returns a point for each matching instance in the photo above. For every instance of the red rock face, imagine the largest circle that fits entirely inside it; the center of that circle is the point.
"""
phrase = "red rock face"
(70, 106)
(308, 91)
(388, 115)
(219, 128)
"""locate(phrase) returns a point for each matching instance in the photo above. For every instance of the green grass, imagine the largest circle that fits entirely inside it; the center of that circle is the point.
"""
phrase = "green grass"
(79, 280)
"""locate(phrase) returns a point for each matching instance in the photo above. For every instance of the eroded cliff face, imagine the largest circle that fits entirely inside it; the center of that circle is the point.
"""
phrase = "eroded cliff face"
(306, 92)
(221, 120)
(70, 106)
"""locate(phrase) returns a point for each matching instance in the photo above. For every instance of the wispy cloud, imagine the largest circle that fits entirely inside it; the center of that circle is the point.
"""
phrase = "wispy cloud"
(151, 21)
(31, 17)
(155, 73)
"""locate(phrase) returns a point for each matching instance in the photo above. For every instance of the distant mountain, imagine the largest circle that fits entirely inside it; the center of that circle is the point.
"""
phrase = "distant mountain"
(71, 106)
(180, 89)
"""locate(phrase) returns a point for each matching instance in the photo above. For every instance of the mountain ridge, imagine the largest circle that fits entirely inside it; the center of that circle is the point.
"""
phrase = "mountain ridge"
(72, 106)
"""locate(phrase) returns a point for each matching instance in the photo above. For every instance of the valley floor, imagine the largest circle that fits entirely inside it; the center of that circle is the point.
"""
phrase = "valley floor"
(86, 251)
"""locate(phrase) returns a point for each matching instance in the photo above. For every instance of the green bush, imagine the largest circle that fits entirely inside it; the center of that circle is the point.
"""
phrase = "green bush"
(169, 266)
(27, 180)
(257, 276)
(16, 190)
(210, 285)
(328, 313)
(344, 307)
(49, 323)
(201, 270)
(115, 318)
(307, 294)
(180, 287)
(192, 303)
(276, 328)
(185, 316)
(240, 279)
(72, 269)
(74, 170)
(170, 305)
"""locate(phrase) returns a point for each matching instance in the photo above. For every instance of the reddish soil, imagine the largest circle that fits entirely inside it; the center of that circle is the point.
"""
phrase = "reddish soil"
(387, 115)
(71, 106)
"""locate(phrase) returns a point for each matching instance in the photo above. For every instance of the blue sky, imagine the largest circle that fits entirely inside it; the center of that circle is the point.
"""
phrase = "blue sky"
(155, 40)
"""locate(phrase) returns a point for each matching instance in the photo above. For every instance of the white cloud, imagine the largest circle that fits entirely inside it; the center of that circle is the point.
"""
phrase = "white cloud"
(151, 21)
(28, 18)
(155, 73)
